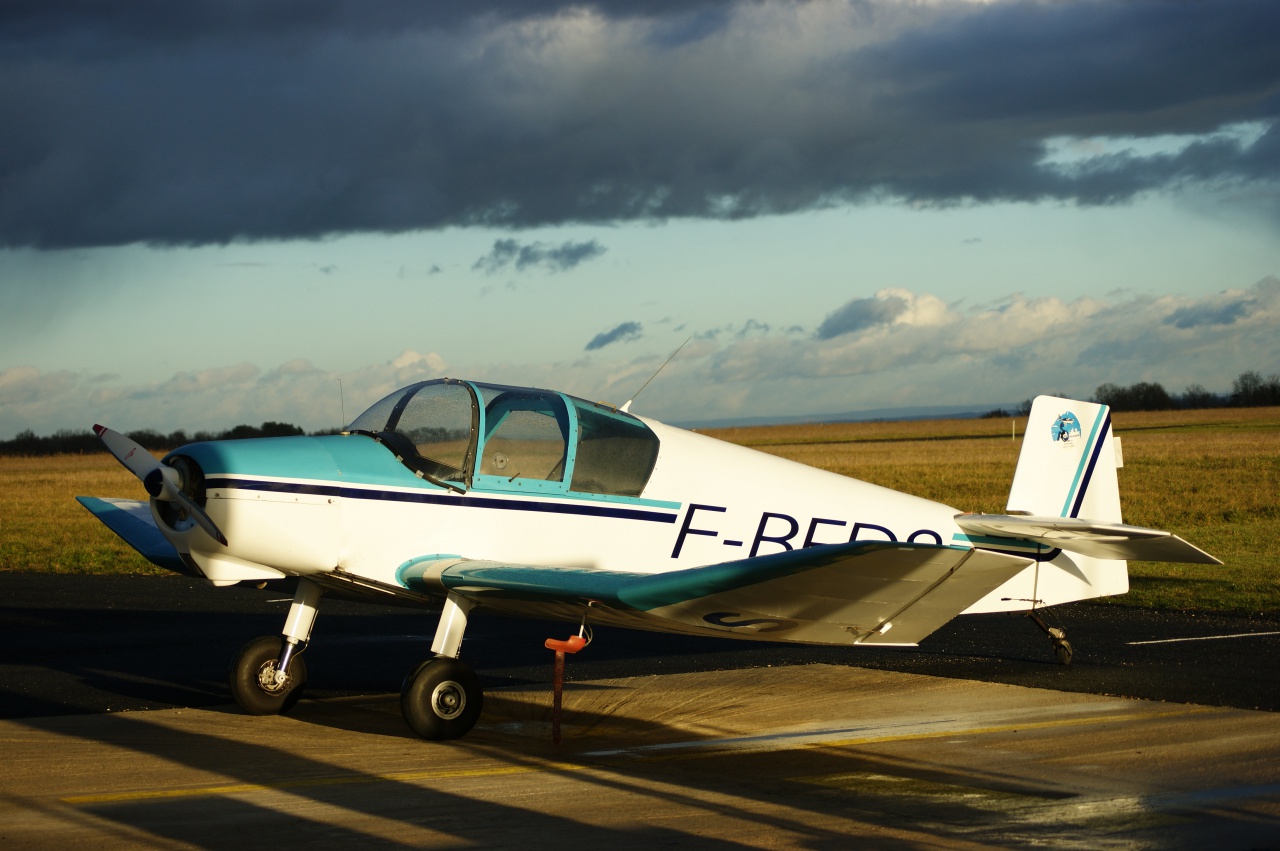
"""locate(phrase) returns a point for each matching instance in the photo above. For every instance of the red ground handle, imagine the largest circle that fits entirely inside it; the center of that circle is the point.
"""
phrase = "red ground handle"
(572, 644)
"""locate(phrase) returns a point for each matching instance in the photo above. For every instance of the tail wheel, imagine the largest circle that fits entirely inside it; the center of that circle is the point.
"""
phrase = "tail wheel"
(253, 678)
(441, 699)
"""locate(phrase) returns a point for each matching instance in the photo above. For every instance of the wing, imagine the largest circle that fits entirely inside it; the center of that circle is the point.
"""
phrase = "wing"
(132, 521)
(861, 593)
(1088, 537)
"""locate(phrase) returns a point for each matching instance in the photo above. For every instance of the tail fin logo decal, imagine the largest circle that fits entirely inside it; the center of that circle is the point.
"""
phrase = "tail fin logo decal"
(1066, 429)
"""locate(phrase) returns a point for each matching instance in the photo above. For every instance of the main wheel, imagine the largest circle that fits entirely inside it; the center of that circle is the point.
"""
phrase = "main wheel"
(441, 699)
(253, 678)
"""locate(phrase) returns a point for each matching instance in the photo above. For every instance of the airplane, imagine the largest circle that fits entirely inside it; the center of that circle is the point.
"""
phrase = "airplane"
(468, 497)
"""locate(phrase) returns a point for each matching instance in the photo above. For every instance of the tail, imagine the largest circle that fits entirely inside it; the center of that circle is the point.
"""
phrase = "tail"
(1068, 463)
(1065, 503)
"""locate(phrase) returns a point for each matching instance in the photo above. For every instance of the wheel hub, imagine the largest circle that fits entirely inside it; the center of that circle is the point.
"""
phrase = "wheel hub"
(267, 678)
(448, 699)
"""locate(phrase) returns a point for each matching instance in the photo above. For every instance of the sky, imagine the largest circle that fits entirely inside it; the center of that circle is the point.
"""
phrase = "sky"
(233, 211)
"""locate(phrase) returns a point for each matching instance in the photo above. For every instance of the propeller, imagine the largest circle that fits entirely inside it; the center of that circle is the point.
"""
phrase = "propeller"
(160, 480)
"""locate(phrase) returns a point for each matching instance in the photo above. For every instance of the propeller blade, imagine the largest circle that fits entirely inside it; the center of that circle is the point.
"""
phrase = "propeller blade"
(161, 482)
(136, 460)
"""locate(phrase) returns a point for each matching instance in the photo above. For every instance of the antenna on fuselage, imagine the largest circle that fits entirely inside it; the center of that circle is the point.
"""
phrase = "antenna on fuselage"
(343, 402)
(627, 404)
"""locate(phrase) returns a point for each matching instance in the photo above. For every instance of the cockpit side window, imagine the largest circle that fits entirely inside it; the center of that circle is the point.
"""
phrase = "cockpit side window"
(616, 452)
(527, 435)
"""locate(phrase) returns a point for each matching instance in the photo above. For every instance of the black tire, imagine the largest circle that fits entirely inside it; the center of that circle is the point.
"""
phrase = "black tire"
(441, 699)
(1062, 649)
(256, 664)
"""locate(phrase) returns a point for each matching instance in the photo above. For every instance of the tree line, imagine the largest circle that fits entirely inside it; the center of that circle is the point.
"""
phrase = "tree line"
(1249, 390)
(69, 441)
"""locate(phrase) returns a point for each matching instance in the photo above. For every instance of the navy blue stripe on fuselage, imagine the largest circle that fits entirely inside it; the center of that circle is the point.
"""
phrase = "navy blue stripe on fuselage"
(443, 499)
(1093, 462)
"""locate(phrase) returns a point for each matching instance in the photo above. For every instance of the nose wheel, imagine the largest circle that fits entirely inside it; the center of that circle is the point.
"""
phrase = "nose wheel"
(256, 688)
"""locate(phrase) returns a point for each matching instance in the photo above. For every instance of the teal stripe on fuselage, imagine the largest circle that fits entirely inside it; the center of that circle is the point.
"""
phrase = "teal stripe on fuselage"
(989, 540)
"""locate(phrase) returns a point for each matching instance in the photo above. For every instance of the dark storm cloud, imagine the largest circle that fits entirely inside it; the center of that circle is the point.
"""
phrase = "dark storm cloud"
(860, 314)
(625, 331)
(204, 122)
(560, 258)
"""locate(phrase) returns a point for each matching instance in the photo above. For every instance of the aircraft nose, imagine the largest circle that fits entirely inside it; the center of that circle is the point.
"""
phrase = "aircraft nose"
(273, 496)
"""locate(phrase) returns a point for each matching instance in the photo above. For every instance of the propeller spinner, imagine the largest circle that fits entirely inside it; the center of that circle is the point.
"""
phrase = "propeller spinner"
(161, 481)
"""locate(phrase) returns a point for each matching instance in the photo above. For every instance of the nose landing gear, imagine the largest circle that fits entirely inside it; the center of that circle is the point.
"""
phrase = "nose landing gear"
(268, 675)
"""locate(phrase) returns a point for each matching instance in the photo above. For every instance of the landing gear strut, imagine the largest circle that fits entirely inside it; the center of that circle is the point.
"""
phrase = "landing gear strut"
(441, 698)
(1061, 647)
(268, 675)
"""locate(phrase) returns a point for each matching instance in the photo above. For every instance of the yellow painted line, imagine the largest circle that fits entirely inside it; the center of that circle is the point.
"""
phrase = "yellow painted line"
(1011, 728)
(345, 780)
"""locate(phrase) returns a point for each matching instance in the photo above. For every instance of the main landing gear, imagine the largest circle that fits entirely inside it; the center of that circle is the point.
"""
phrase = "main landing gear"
(441, 698)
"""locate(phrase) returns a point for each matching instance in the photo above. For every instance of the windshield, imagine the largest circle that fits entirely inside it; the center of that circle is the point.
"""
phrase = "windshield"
(429, 424)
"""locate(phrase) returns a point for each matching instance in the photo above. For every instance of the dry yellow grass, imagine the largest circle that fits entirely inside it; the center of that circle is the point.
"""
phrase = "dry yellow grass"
(1210, 476)
(43, 528)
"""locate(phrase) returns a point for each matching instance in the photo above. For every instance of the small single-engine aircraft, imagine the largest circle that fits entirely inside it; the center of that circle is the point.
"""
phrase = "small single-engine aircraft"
(469, 497)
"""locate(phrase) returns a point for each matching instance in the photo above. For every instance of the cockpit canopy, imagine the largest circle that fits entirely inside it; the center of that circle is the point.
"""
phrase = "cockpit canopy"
(466, 434)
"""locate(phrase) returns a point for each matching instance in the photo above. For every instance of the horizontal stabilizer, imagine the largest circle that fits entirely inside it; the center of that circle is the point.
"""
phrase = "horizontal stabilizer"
(1088, 537)
(132, 521)
(865, 592)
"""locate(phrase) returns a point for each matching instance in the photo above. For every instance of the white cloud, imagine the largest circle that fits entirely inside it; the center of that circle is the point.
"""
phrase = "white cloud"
(927, 353)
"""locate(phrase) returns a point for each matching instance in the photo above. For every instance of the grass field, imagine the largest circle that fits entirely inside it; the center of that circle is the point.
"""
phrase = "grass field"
(1210, 476)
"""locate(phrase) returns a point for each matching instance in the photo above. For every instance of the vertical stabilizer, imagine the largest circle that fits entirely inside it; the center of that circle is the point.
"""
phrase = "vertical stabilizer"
(1067, 467)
